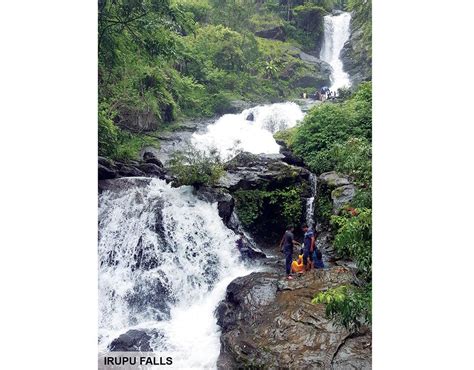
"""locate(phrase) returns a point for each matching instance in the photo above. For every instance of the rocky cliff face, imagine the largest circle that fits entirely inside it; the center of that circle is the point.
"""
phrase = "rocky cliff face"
(356, 54)
(269, 322)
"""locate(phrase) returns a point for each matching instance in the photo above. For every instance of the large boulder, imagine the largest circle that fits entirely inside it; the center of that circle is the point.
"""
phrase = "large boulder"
(269, 322)
(236, 106)
(126, 170)
(315, 74)
(137, 121)
(151, 155)
(225, 201)
(333, 179)
(106, 172)
(248, 171)
(342, 196)
(288, 156)
(132, 341)
(273, 33)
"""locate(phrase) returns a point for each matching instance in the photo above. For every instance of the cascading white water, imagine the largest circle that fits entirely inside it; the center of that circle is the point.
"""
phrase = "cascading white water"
(336, 33)
(165, 260)
(232, 133)
(310, 201)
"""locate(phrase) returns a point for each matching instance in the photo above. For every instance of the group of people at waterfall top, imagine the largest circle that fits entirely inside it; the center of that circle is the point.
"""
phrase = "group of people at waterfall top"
(322, 94)
(309, 255)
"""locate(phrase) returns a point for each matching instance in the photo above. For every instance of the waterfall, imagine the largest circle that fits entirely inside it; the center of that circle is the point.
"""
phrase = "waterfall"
(165, 260)
(310, 201)
(336, 33)
(251, 131)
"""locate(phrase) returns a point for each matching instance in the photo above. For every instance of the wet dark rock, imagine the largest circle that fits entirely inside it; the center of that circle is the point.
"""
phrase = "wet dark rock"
(324, 244)
(132, 341)
(106, 172)
(130, 171)
(288, 156)
(249, 171)
(342, 196)
(333, 179)
(250, 250)
(356, 55)
(236, 106)
(225, 201)
(250, 117)
(318, 73)
(353, 353)
(152, 169)
(274, 33)
(151, 155)
(105, 162)
(137, 121)
(269, 322)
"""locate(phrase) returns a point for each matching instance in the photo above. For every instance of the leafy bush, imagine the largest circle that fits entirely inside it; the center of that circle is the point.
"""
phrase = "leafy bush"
(249, 205)
(130, 145)
(354, 158)
(349, 306)
(107, 133)
(196, 167)
(282, 206)
(353, 239)
(329, 124)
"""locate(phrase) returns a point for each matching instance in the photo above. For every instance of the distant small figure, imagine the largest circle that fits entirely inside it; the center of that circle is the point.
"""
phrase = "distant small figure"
(304, 95)
(242, 246)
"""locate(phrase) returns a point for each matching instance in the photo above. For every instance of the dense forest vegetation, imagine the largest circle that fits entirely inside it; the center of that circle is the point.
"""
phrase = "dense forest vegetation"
(161, 61)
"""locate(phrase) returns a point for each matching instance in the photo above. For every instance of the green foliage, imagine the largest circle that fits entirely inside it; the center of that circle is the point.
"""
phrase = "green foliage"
(351, 307)
(354, 158)
(286, 136)
(353, 239)
(282, 203)
(289, 202)
(323, 208)
(108, 133)
(328, 125)
(130, 144)
(249, 205)
(196, 167)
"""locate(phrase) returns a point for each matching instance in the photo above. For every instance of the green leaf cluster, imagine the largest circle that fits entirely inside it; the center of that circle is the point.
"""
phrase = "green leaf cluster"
(351, 307)
(353, 239)
(326, 127)
(282, 206)
(196, 167)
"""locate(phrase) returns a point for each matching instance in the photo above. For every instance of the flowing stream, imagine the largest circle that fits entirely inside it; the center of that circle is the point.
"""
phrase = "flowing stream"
(336, 33)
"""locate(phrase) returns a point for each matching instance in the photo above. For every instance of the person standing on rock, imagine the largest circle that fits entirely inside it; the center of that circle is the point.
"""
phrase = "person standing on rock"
(308, 247)
(286, 246)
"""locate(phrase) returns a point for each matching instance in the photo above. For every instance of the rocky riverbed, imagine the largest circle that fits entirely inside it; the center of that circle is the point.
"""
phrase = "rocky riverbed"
(269, 322)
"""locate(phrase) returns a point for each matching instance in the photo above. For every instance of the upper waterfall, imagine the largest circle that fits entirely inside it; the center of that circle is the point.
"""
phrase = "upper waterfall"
(336, 33)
